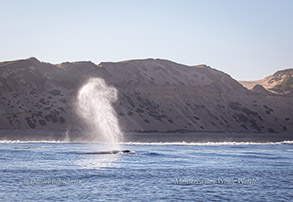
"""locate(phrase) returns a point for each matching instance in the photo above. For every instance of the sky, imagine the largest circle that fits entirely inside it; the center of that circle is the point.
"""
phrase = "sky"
(248, 39)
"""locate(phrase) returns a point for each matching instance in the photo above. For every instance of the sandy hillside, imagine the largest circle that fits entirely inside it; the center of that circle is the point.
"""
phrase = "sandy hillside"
(280, 82)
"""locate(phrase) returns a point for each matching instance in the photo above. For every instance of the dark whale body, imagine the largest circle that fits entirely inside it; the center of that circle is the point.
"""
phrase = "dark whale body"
(112, 152)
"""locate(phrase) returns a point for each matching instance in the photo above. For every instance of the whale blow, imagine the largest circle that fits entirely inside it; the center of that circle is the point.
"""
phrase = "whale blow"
(94, 104)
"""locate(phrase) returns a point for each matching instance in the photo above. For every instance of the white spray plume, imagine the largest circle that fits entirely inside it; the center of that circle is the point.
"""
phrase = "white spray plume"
(94, 103)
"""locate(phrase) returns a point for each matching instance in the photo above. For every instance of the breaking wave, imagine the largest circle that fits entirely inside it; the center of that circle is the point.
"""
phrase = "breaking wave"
(156, 143)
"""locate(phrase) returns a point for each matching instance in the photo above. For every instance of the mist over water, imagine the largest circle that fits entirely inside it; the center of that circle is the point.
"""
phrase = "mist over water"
(94, 105)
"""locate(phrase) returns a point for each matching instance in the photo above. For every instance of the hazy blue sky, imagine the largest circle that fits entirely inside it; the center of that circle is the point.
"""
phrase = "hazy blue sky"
(246, 39)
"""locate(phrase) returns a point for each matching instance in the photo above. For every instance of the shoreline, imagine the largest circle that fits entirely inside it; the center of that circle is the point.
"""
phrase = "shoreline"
(192, 137)
(210, 137)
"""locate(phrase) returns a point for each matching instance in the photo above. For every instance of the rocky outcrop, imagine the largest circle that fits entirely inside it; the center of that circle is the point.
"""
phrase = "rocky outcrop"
(261, 90)
(154, 95)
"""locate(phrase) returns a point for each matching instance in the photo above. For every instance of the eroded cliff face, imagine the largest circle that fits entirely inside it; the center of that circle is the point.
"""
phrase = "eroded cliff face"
(153, 95)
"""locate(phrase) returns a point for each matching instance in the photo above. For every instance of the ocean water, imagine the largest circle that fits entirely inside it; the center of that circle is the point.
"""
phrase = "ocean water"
(56, 171)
